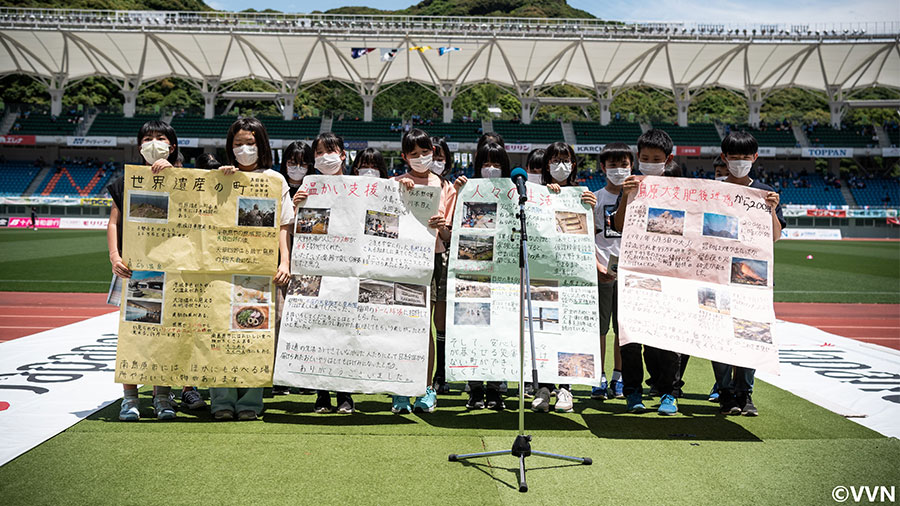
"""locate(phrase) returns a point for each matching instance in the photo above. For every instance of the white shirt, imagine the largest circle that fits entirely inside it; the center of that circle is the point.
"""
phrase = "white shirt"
(606, 239)
(287, 205)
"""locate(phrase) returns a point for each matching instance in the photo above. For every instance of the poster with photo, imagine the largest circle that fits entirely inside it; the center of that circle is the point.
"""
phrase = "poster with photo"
(357, 313)
(483, 285)
(198, 308)
(695, 271)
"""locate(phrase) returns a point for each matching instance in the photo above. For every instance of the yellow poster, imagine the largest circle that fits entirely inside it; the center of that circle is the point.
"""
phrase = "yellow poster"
(199, 308)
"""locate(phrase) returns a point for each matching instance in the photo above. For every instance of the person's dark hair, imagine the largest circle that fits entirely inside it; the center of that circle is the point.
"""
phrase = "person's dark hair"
(329, 141)
(207, 161)
(297, 151)
(536, 159)
(719, 162)
(615, 152)
(156, 127)
(370, 157)
(739, 142)
(655, 139)
(489, 137)
(255, 127)
(673, 170)
(553, 150)
(491, 153)
(415, 138)
(440, 142)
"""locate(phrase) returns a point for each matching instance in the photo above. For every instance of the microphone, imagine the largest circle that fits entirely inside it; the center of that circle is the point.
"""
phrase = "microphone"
(519, 176)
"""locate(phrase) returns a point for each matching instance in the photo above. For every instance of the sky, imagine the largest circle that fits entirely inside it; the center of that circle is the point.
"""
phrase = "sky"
(733, 11)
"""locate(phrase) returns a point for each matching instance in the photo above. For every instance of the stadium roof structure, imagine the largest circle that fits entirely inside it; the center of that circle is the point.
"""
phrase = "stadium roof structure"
(447, 55)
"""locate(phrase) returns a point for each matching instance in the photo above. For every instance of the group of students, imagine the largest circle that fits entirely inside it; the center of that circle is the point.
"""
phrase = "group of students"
(429, 160)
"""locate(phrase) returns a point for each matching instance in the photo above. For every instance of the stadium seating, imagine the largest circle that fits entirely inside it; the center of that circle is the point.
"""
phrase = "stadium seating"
(196, 126)
(44, 124)
(538, 132)
(771, 137)
(117, 125)
(375, 130)
(849, 137)
(456, 131)
(698, 134)
(818, 193)
(875, 191)
(893, 134)
(15, 177)
(589, 132)
(74, 181)
(297, 129)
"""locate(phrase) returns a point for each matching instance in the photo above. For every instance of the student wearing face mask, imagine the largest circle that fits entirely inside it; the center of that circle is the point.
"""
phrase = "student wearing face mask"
(654, 155)
(442, 161)
(735, 384)
(329, 159)
(248, 150)
(370, 163)
(159, 149)
(418, 152)
(534, 165)
(616, 161)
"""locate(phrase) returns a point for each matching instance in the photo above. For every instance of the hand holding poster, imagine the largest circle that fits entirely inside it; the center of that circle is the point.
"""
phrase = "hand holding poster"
(483, 285)
(203, 247)
(695, 271)
(356, 316)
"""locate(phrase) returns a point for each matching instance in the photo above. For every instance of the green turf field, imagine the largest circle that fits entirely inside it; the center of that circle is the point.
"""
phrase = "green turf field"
(794, 453)
(840, 271)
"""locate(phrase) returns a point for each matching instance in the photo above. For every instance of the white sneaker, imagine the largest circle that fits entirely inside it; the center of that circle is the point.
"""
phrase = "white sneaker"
(563, 401)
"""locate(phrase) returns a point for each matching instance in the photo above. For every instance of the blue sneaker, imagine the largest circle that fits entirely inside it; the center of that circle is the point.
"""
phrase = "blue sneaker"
(426, 403)
(617, 389)
(401, 404)
(714, 394)
(667, 405)
(633, 403)
(599, 393)
(129, 411)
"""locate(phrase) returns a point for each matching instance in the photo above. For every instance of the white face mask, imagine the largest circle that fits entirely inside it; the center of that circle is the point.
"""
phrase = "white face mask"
(422, 163)
(369, 172)
(721, 178)
(490, 172)
(438, 167)
(296, 172)
(560, 171)
(617, 175)
(154, 150)
(652, 169)
(246, 154)
(329, 163)
(535, 178)
(739, 168)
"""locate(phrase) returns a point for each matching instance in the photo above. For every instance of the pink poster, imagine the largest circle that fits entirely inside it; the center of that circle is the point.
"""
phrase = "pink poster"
(695, 271)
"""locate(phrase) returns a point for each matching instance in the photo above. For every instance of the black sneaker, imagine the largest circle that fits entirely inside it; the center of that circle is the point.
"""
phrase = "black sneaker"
(495, 400)
(476, 398)
(746, 405)
(727, 404)
(323, 402)
(345, 403)
(541, 401)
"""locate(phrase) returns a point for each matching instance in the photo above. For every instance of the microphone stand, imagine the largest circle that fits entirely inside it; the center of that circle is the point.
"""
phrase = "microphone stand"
(521, 447)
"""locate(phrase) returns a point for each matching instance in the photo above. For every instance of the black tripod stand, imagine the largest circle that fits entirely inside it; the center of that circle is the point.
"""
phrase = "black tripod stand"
(521, 447)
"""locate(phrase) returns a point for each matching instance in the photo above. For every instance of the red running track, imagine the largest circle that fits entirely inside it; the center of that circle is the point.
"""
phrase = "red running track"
(26, 313)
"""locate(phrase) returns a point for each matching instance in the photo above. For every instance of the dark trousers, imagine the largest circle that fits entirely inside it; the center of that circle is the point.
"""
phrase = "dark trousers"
(665, 362)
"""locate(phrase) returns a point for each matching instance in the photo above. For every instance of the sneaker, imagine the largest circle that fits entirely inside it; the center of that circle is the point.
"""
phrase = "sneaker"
(529, 390)
(427, 402)
(476, 398)
(130, 411)
(617, 389)
(714, 394)
(192, 400)
(441, 387)
(728, 404)
(401, 405)
(541, 402)
(504, 387)
(323, 403)
(746, 404)
(347, 407)
(563, 401)
(280, 390)
(246, 416)
(600, 393)
(163, 407)
(667, 405)
(633, 403)
(495, 400)
(223, 415)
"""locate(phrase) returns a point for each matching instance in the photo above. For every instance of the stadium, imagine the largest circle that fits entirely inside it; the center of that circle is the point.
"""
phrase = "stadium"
(822, 100)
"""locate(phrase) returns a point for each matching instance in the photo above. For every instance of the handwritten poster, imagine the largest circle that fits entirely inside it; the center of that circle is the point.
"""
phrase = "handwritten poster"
(483, 285)
(203, 247)
(695, 271)
(357, 314)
